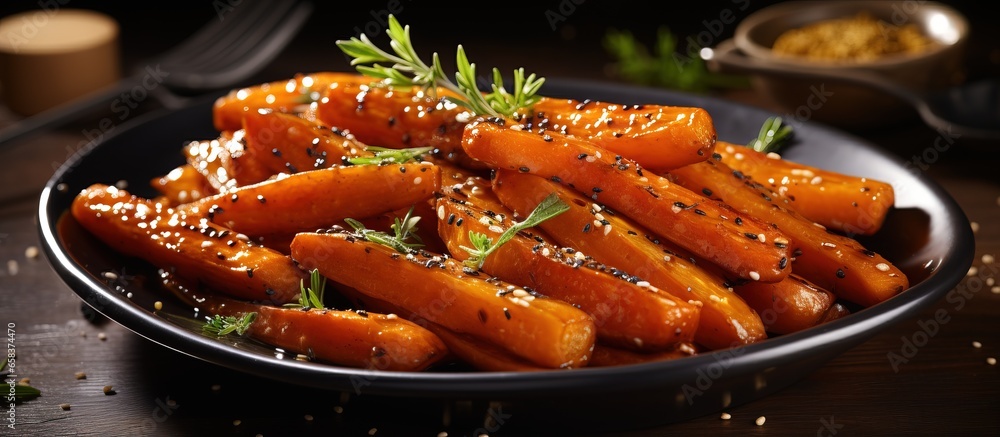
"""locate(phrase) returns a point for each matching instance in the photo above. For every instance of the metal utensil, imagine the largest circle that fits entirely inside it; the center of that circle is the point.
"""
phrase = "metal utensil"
(222, 53)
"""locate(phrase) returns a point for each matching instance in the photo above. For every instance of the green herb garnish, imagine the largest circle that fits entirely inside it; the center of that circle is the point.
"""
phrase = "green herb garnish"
(773, 136)
(221, 326)
(405, 68)
(384, 156)
(666, 67)
(312, 296)
(483, 246)
(402, 230)
(22, 392)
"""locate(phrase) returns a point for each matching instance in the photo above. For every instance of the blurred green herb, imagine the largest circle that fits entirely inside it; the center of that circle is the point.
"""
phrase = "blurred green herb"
(22, 392)
(666, 66)
(221, 326)
(773, 136)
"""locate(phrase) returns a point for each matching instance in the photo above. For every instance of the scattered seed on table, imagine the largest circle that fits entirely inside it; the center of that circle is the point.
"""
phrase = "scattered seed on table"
(726, 416)
(975, 227)
(760, 421)
(972, 271)
(372, 431)
(237, 422)
(101, 336)
(109, 390)
(31, 252)
(338, 409)
(12, 267)
(24, 381)
(64, 406)
(977, 344)
(308, 417)
(216, 387)
(158, 305)
(987, 259)
(991, 361)
(81, 375)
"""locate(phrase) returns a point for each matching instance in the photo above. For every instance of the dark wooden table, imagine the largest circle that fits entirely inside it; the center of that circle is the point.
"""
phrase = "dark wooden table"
(946, 388)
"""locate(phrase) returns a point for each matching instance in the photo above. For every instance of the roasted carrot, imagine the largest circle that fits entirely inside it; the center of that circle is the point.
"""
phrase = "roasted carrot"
(606, 356)
(836, 311)
(316, 199)
(426, 229)
(474, 352)
(283, 96)
(397, 117)
(613, 239)
(831, 261)
(628, 312)
(354, 338)
(658, 137)
(191, 247)
(848, 204)
(738, 243)
(182, 184)
(547, 332)
(287, 143)
(787, 306)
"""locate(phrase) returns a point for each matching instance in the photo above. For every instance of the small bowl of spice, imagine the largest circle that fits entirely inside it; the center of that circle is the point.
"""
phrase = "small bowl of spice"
(838, 61)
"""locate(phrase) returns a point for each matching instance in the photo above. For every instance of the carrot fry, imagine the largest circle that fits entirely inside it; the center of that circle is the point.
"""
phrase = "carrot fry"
(319, 198)
(548, 332)
(361, 339)
(658, 137)
(613, 239)
(831, 261)
(787, 306)
(709, 229)
(477, 353)
(397, 117)
(287, 143)
(849, 204)
(183, 184)
(835, 312)
(194, 249)
(628, 312)
(606, 356)
(283, 96)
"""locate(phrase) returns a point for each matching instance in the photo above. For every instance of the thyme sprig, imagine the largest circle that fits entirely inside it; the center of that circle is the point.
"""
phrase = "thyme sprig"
(312, 296)
(220, 326)
(384, 156)
(483, 246)
(773, 136)
(403, 67)
(402, 230)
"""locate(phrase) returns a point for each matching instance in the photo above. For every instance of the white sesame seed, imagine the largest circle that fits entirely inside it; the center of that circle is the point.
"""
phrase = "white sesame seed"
(730, 150)
(990, 282)
(975, 227)
(755, 276)
(206, 244)
(761, 238)
(237, 422)
(676, 209)
(643, 284)
(546, 251)
(991, 361)
(441, 212)
(773, 155)
(696, 303)
(972, 271)
(519, 293)
(442, 434)
(977, 344)
(598, 223)
(31, 252)
(882, 267)
(666, 258)
(714, 298)
(308, 417)
(590, 159)
(372, 431)
(607, 229)
(637, 341)
(595, 207)
(738, 156)
(598, 155)
(781, 240)
(338, 409)
(819, 226)
(825, 244)
(987, 259)
(816, 180)
(522, 302)
(158, 305)
(110, 275)
(121, 184)
(101, 336)
(65, 407)
(417, 180)
(760, 421)
(391, 316)
(580, 256)
(80, 375)
(528, 298)
(726, 416)
(12, 267)
(495, 228)
(995, 289)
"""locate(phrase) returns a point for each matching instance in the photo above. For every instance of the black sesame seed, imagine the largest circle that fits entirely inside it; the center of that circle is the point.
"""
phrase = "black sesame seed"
(706, 191)
(841, 274)
(782, 263)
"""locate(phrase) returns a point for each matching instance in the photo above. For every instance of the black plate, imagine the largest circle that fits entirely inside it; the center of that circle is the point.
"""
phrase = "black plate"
(927, 236)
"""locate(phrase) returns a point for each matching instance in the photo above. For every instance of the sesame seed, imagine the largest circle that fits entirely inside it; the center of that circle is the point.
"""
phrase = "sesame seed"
(816, 180)
(158, 305)
(216, 387)
(988, 259)
(391, 316)
(977, 344)
(442, 434)
(991, 361)
(372, 431)
(24, 381)
(607, 229)
(520, 293)
(825, 244)
(12, 267)
(101, 336)
(237, 422)
(760, 421)
(109, 390)
(972, 271)
(643, 284)
(882, 267)
(80, 375)
(31, 252)
(995, 289)
(666, 258)
(773, 155)
(714, 298)
(338, 409)
(441, 212)
(417, 180)
(726, 416)
(975, 227)
(755, 276)
(761, 238)
(206, 244)
(65, 407)
(990, 281)
(308, 417)
(110, 275)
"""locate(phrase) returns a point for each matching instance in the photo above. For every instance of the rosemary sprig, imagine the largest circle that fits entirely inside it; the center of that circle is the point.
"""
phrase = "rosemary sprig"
(312, 296)
(483, 246)
(22, 392)
(402, 230)
(403, 67)
(221, 326)
(384, 156)
(773, 136)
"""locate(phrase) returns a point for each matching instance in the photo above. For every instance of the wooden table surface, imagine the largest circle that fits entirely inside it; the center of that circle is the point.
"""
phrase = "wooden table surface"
(946, 388)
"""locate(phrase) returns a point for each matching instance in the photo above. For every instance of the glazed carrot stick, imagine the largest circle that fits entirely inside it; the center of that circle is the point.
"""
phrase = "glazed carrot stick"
(849, 204)
(283, 96)
(548, 332)
(658, 137)
(316, 199)
(613, 239)
(181, 185)
(628, 312)
(193, 248)
(606, 356)
(362, 339)
(738, 243)
(831, 261)
(789, 305)
(397, 117)
(477, 353)
(222, 161)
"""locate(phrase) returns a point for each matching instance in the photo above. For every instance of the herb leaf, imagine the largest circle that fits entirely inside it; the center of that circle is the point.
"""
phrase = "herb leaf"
(402, 230)
(312, 296)
(404, 67)
(483, 246)
(384, 156)
(22, 392)
(773, 136)
(222, 326)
